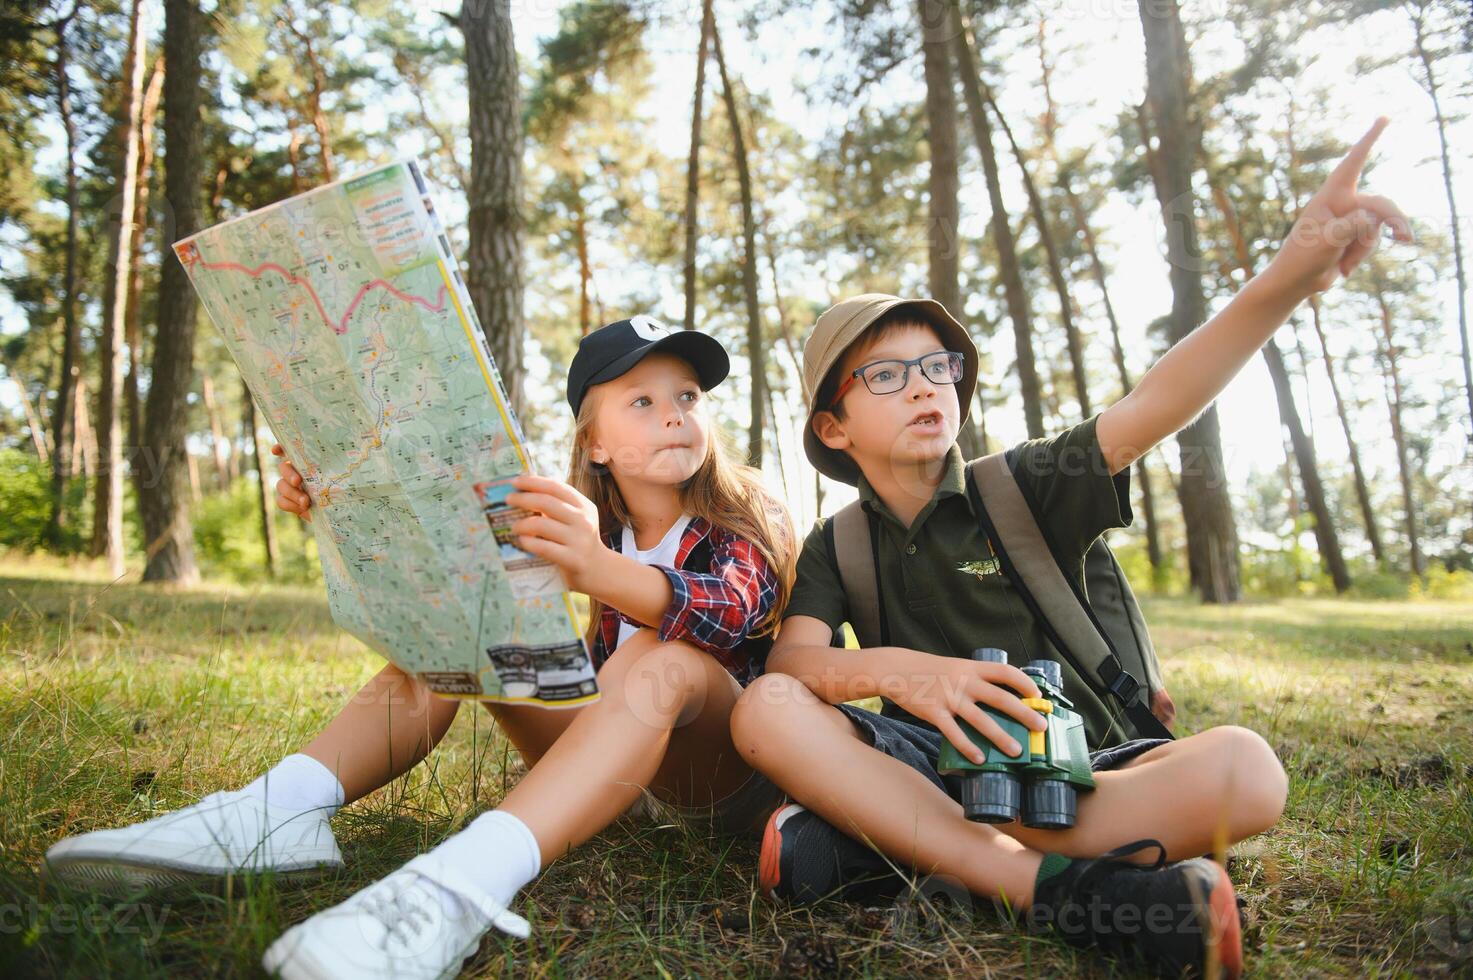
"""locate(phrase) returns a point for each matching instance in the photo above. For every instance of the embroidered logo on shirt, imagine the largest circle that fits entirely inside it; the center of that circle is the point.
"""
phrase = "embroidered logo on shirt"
(983, 568)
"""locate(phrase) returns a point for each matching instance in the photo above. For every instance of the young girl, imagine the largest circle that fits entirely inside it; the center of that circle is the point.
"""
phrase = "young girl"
(687, 563)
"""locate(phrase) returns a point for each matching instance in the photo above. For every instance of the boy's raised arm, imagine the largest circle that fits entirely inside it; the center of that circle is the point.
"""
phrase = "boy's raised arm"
(1337, 228)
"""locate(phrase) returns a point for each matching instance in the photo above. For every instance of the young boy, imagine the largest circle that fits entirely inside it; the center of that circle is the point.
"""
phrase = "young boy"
(893, 381)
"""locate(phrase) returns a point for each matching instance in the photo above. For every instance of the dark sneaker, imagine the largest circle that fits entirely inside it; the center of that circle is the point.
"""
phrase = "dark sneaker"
(805, 859)
(1181, 918)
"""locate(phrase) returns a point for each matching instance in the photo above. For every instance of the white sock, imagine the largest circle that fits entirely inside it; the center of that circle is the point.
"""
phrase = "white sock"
(301, 783)
(496, 852)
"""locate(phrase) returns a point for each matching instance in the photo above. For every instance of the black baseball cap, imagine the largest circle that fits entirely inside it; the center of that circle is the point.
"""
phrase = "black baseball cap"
(612, 350)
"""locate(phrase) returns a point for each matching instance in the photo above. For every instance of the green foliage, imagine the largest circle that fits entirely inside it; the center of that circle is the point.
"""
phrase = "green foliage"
(1443, 583)
(228, 543)
(25, 486)
(1169, 579)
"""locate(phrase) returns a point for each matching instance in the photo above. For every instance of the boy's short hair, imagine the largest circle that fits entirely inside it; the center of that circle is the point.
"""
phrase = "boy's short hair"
(865, 319)
(891, 322)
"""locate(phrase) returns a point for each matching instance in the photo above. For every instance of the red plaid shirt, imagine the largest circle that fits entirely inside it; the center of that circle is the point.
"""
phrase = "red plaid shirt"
(723, 588)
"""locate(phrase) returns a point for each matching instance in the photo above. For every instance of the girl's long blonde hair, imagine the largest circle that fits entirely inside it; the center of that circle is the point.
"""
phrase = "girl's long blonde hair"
(724, 492)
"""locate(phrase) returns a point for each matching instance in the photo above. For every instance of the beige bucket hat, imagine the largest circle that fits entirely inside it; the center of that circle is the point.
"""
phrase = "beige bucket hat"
(839, 327)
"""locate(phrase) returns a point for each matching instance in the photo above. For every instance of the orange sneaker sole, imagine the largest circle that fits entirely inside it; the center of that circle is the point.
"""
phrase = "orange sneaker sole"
(1227, 939)
(769, 859)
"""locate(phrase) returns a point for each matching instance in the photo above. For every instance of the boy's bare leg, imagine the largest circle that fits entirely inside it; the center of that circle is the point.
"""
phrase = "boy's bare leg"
(1223, 782)
(1195, 795)
(662, 721)
(818, 757)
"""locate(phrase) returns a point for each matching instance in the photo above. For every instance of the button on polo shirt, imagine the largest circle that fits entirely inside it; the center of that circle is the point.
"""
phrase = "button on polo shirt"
(941, 588)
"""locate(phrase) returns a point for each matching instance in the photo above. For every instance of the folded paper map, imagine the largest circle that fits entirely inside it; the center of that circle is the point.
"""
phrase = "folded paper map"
(349, 320)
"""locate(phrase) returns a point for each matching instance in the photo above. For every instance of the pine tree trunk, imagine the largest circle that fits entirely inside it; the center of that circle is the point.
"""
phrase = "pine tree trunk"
(1326, 537)
(1362, 491)
(1097, 268)
(107, 524)
(166, 523)
(219, 444)
(1430, 82)
(62, 418)
(585, 273)
(943, 221)
(494, 276)
(979, 100)
(1391, 367)
(268, 530)
(1002, 233)
(693, 169)
(756, 345)
(1212, 533)
(39, 437)
(133, 319)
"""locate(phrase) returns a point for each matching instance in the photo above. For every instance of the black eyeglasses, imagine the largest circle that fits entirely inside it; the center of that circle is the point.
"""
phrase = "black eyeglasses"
(940, 367)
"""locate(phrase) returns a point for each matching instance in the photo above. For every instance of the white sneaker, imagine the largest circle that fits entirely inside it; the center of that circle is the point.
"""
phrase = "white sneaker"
(397, 928)
(226, 832)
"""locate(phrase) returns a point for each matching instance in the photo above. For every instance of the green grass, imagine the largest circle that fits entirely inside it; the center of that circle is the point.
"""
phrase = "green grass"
(123, 702)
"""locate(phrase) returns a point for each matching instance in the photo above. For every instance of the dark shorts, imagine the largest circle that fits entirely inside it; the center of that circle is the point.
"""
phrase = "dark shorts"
(918, 745)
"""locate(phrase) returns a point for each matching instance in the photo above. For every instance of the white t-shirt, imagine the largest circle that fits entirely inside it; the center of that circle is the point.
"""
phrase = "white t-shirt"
(661, 554)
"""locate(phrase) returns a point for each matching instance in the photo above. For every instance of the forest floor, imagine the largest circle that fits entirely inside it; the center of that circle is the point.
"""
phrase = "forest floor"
(119, 703)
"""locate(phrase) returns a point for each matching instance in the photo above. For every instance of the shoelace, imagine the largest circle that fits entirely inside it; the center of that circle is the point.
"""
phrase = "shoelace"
(1094, 866)
(396, 915)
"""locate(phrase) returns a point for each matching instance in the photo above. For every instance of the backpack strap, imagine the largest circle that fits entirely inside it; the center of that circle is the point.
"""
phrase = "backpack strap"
(1054, 598)
(847, 533)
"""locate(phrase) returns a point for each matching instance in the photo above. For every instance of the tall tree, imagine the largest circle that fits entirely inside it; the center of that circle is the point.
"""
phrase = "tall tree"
(107, 525)
(1212, 533)
(693, 168)
(1328, 540)
(167, 529)
(1008, 270)
(1428, 53)
(943, 218)
(1316, 311)
(252, 432)
(132, 313)
(63, 416)
(1389, 352)
(1362, 489)
(980, 99)
(496, 220)
(1084, 233)
(756, 345)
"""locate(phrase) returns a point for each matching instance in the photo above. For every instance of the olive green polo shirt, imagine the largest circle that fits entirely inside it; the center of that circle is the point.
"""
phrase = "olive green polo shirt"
(934, 605)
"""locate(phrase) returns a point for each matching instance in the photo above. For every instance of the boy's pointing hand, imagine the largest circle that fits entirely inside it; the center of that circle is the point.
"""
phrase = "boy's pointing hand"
(1338, 227)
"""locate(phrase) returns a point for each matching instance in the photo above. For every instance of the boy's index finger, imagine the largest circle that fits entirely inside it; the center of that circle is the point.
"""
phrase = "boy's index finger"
(1346, 174)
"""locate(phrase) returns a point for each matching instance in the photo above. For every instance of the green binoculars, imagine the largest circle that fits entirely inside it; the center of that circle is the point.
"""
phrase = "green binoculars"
(1042, 782)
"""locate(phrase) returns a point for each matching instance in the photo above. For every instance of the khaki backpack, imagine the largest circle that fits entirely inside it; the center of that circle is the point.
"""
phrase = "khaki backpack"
(1098, 630)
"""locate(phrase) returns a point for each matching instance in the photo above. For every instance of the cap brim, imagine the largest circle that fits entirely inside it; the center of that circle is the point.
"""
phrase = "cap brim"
(839, 465)
(701, 351)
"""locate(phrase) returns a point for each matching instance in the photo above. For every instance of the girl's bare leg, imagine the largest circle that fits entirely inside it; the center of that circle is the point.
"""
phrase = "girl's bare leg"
(394, 721)
(532, 729)
(382, 732)
(662, 722)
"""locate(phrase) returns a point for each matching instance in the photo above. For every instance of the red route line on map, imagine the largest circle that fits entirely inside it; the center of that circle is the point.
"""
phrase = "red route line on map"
(341, 327)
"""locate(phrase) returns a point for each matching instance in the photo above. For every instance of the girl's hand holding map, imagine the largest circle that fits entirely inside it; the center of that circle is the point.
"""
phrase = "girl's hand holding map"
(290, 496)
(564, 528)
